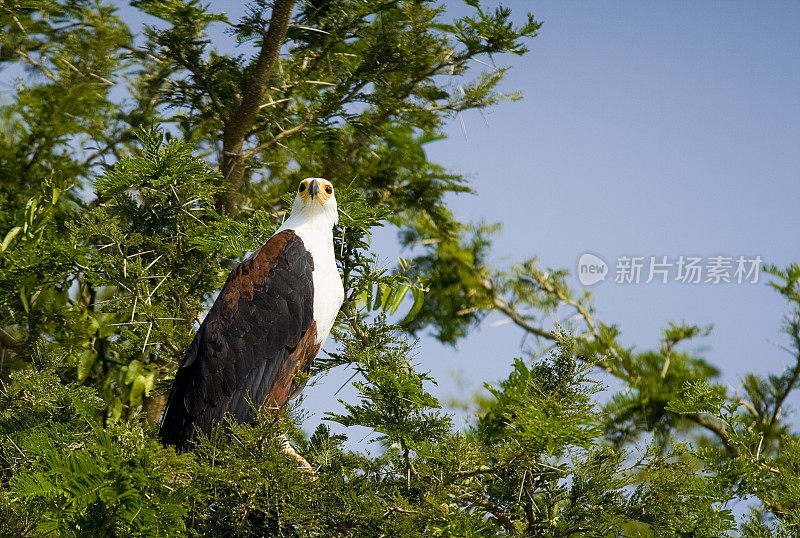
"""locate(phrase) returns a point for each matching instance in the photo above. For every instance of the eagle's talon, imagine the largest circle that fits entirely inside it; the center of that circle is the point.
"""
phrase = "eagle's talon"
(287, 449)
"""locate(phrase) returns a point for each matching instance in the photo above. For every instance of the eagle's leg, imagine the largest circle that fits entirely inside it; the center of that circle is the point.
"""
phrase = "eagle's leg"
(291, 452)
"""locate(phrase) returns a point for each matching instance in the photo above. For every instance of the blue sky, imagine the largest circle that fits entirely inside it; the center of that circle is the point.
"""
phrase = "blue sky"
(646, 129)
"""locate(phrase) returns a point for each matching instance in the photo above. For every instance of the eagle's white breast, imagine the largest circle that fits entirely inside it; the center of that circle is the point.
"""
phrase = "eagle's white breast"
(317, 237)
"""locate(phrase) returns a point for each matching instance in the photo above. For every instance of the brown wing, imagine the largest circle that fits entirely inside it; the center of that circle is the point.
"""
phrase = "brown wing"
(258, 333)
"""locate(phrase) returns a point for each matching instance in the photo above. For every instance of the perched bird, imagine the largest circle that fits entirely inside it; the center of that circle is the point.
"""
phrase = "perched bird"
(267, 324)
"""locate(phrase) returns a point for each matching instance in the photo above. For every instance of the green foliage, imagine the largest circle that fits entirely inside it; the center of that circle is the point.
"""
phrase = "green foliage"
(543, 408)
(456, 266)
(393, 401)
(68, 474)
(114, 238)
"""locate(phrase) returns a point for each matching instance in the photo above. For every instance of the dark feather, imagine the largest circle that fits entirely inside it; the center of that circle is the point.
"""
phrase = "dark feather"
(257, 335)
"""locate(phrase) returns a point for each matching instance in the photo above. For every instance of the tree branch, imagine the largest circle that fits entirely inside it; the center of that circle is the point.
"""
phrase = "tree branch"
(503, 306)
(201, 78)
(9, 341)
(352, 320)
(718, 429)
(379, 119)
(714, 427)
(502, 517)
(514, 316)
(482, 470)
(242, 118)
(795, 327)
(110, 145)
(305, 122)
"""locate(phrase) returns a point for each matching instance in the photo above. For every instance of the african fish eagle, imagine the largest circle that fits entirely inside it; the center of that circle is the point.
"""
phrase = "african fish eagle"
(267, 324)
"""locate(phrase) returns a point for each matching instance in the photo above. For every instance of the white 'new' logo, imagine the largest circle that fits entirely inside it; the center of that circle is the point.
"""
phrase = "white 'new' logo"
(591, 269)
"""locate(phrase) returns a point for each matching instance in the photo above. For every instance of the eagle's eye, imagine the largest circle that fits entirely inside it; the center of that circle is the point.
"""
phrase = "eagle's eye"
(329, 189)
(302, 187)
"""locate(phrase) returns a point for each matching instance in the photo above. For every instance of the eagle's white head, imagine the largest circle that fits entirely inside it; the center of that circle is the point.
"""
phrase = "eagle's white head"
(315, 200)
